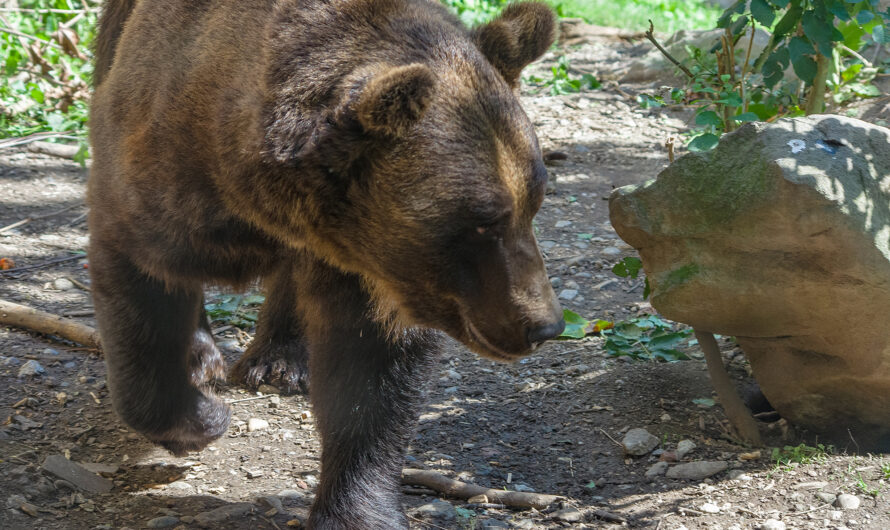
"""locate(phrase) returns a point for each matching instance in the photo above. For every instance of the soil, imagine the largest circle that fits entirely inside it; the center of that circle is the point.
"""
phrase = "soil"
(552, 423)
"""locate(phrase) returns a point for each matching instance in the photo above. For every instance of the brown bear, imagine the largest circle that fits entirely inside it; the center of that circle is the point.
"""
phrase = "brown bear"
(368, 159)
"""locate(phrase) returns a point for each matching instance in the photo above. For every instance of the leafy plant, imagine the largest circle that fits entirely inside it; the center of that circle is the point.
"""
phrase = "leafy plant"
(235, 310)
(885, 471)
(630, 267)
(561, 82)
(45, 58)
(801, 454)
(646, 338)
(865, 488)
(578, 327)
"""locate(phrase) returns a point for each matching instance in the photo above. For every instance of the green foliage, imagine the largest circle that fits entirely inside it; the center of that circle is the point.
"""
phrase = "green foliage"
(630, 267)
(235, 310)
(578, 327)
(864, 486)
(45, 58)
(671, 15)
(561, 82)
(647, 338)
(475, 12)
(885, 471)
(801, 454)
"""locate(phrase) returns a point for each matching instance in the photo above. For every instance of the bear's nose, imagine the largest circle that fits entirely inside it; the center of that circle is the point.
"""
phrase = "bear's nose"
(546, 332)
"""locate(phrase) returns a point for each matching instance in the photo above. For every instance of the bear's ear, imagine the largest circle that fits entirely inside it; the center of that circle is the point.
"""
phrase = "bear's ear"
(392, 101)
(521, 34)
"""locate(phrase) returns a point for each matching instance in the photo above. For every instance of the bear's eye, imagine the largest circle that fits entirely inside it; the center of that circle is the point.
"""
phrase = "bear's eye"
(490, 229)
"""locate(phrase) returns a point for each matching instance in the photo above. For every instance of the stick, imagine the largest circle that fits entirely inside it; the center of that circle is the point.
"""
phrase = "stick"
(735, 409)
(462, 490)
(22, 140)
(44, 264)
(36, 217)
(58, 150)
(651, 36)
(29, 318)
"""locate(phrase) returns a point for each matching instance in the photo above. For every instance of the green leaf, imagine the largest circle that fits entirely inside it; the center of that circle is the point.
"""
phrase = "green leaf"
(709, 117)
(705, 142)
(865, 90)
(746, 117)
(576, 325)
(763, 12)
(864, 17)
(787, 23)
(590, 82)
(590, 485)
(628, 267)
(819, 31)
(798, 47)
(805, 68)
(646, 289)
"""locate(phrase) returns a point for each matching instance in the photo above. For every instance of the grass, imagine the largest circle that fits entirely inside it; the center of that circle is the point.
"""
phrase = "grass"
(668, 15)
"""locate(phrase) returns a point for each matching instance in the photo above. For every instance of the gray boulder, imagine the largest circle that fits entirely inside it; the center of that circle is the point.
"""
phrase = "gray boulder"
(780, 237)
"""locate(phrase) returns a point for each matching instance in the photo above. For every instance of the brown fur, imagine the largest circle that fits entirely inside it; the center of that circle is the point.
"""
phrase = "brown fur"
(368, 158)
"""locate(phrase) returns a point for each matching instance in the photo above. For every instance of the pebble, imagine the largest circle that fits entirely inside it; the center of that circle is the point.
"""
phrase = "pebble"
(63, 284)
(639, 442)
(555, 282)
(657, 469)
(493, 523)
(845, 501)
(274, 402)
(665, 417)
(569, 515)
(826, 497)
(438, 508)
(547, 245)
(31, 369)
(311, 481)
(572, 284)
(9, 361)
(76, 474)
(684, 448)
(213, 518)
(709, 507)
(524, 524)
(811, 485)
(257, 424)
(772, 524)
(180, 485)
(738, 474)
(162, 522)
(562, 224)
(696, 470)
(568, 294)
(610, 251)
(254, 473)
(270, 502)
(268, 389)
(453, 374)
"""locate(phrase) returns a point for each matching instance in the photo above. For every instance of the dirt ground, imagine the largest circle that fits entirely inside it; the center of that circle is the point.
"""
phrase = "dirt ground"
(552, 423)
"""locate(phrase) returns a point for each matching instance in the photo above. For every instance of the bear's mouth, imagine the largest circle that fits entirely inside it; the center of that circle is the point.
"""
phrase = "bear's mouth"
(479, 343)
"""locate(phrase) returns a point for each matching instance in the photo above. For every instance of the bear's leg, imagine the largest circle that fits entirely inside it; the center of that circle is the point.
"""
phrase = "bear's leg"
(277, 354)
(149, 335)
(205, 360)
(366, 389)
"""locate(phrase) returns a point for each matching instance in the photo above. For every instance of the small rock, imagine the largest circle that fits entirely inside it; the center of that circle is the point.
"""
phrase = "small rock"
(63, 284)
(311, 481)
(254, 473)
(610, 251)
(657, 469)
(9, 361)
(568, 294)
(569, 515)
(524, 524)
(836, 515)
(438, 508)
(270, 502)
(268, 389)
(493, 523)
(572, 284)
(826, 497)
(291, 495)
(180, 485)
(562, 224)
(76, 474)
(811, 485)
(556, 282)
(213, 518)
(709, 507)
(738, 474)
(257, 424)
(453, 374)
(639, 442)
(187, 519)
(772, 524)
(162, 522)
(31, 368)
(547, 245)
(696, 470)
(100, 468)
(845, 501)
(665, 417)
(684, 448)
(274, 402)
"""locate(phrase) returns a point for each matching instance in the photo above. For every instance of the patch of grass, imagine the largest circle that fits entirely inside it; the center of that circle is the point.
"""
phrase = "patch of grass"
(561, 82)
(885, 471)
(865, 488)
(668, 15)
(801, 454)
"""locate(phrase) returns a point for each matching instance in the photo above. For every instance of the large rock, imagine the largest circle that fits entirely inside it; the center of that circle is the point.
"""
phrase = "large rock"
(781, 238)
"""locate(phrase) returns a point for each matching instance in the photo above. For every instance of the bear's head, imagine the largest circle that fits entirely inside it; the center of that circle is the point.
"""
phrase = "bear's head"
(432, 178)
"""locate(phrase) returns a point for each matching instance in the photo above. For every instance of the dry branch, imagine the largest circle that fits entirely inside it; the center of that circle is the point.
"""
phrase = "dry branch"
(462, 490)
(20, 316)
(651, 36)
(735, 409)
(58, 150)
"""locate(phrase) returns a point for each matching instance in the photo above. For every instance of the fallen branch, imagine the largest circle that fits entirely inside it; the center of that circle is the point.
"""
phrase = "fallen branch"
(41, 265)
(58, 150)
(651, 36)
(462, 490)
(20, 316)
(736, 411)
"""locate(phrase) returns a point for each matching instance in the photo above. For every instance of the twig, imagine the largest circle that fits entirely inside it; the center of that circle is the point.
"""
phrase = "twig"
(44, 264)
(31, 37)
(735, 409)
(270, 521)
(651, 36)
(22, 140)
(462, 490)
(745, 67)
(614, 441)
(254, 398)
(20, 316)
(58, 150)
(669, 144)
(29, 219)
(855, 54)
(79, 285)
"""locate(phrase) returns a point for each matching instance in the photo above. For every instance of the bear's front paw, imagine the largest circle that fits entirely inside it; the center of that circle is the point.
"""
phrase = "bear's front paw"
(282, 366)
(208, 420)
(205, 362)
